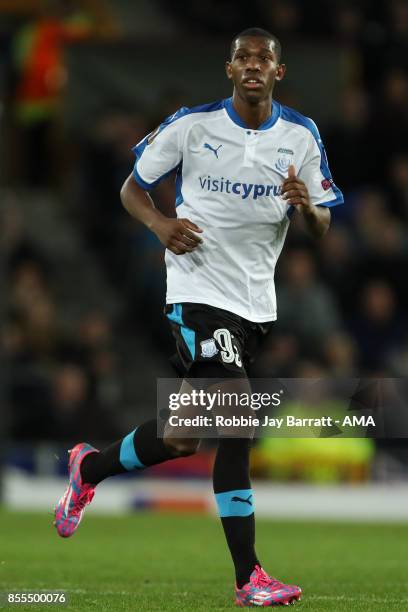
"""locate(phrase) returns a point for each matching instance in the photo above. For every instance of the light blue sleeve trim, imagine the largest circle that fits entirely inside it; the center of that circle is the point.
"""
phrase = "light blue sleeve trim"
(139, 149)
(239, 502)
(150, 186)
(128, 456)
(179, 185)
(140, 181)
(288, 114)
(329, 204)
(332, 203)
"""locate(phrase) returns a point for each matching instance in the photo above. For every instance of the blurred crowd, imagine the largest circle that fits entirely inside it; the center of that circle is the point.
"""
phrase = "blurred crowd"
(56, 373)
(342, 303)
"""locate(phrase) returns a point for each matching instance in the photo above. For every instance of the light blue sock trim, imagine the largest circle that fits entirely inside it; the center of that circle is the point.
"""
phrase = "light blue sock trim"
(128, 457)
(239, 502)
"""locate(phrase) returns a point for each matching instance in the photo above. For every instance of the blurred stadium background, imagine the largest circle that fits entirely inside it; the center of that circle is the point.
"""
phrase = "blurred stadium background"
(83, 337)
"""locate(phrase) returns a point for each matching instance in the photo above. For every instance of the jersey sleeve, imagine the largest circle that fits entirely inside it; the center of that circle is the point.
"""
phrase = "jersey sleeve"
(160, 152)
(316, 174)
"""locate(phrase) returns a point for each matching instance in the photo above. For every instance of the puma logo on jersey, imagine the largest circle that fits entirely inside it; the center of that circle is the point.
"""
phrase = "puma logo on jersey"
(215, 151)
(244, 501)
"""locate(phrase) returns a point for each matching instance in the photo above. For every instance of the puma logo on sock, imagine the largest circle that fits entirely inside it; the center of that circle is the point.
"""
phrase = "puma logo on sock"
(244, 501)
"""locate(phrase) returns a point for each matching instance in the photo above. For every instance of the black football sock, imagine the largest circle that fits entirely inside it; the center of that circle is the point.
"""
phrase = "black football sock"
(234, 498)
(139, 449)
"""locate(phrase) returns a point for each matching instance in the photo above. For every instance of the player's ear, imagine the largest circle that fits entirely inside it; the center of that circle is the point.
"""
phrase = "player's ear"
(228, 69)
(280, 72)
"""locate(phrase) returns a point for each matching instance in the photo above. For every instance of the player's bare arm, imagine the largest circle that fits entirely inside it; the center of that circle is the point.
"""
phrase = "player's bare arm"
(177, 235)
(296, 193)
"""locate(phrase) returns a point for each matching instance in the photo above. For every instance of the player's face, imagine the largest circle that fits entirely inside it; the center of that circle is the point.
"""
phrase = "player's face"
(254, 68)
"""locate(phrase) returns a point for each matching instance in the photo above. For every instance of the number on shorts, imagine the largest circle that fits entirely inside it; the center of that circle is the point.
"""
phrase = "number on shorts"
(229, 350)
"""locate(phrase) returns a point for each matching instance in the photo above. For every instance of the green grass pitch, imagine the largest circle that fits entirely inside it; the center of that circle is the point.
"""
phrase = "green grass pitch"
(169, 562)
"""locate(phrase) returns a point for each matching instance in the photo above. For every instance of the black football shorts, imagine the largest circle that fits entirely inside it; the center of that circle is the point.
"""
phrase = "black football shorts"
(211, 335)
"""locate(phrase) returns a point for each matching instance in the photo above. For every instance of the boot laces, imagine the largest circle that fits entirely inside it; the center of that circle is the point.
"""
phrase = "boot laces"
(85, 498)
(262, 579)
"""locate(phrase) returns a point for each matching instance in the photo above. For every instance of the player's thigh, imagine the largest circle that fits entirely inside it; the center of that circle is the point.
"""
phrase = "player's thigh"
(211, 344)
(256, 340)
(185, 413)
(219, 395)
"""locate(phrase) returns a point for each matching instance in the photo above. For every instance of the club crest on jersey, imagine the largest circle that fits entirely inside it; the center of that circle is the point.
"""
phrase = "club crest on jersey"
(285, 160)
(208, 348)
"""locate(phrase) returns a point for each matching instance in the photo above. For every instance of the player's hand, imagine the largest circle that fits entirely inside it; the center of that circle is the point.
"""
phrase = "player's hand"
(178, 235)
(294, 190)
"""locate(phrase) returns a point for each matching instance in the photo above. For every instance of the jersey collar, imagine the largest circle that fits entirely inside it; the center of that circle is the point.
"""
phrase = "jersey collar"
(233, 115)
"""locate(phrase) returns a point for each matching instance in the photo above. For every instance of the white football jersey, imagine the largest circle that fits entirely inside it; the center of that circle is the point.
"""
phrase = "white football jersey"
(228, 182)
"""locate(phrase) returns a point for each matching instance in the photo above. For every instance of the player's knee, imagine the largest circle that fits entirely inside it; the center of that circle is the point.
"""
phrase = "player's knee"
(182, 447)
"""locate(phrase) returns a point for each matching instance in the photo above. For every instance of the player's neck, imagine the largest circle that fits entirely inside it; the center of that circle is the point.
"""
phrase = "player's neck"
(252, 114)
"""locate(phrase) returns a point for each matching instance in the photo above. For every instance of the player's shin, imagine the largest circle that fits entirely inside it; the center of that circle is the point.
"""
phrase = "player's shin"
(235, 501)
(139, 449)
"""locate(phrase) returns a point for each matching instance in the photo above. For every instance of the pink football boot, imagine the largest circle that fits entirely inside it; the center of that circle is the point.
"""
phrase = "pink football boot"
(263, 590)
(71, 506)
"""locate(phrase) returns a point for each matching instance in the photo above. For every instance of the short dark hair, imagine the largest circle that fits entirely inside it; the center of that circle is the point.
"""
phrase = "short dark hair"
(261, 33)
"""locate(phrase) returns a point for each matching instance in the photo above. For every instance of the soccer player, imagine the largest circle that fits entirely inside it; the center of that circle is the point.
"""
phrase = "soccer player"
(243, 165)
